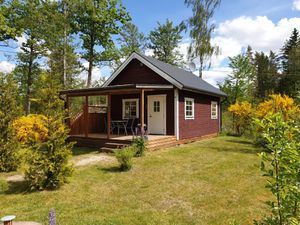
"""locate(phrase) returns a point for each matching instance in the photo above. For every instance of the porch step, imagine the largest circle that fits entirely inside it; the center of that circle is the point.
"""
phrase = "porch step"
(111, 147)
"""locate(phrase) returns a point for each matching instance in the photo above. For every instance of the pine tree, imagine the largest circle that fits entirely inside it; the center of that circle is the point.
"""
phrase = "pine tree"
(164, 41)
(290, 60)
(9, 110)
(266, 74)
(131, 40)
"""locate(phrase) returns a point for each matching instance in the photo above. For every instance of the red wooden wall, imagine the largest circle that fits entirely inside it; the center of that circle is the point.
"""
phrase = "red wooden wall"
(202, 124)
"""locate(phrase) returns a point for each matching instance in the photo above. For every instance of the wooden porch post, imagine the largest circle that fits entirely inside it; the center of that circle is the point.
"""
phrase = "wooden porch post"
(86, 116)
(108, 115)
(142, 109)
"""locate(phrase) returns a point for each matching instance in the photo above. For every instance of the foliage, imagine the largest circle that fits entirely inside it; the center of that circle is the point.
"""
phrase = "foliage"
(278, 103)
(3, 185)
(290, 62)
(9, 110)
(124, 157)
(44, 138)
(281, 167)
(164, 41)
(266, 74)
(131, 40)
(139, 144)
(96, 22)
(31, 129)
(242, 113)
(201, 29)
(239, 84)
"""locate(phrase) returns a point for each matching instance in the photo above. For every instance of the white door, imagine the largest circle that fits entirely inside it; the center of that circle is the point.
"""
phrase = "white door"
(157, 114)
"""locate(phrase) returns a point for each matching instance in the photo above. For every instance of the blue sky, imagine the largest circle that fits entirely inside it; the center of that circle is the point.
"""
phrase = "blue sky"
(263, 24)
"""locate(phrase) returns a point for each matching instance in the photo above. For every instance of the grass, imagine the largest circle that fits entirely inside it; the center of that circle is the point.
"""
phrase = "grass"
(214, 182)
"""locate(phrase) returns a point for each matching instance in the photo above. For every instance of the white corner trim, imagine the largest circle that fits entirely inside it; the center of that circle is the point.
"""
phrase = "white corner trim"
(145, 62)
(176, 113)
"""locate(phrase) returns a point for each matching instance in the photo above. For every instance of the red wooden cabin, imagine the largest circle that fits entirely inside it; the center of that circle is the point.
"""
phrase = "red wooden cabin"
(174, 105)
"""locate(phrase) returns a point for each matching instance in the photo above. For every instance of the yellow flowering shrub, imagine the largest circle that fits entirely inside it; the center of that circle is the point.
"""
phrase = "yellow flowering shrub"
(242, 113)
(31, 128)
(278, 104)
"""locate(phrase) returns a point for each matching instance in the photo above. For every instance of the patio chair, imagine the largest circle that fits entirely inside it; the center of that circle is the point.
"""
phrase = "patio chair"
(131, 124)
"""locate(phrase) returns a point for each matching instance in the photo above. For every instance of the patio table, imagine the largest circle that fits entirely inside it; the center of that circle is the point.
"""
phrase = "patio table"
(118, 124)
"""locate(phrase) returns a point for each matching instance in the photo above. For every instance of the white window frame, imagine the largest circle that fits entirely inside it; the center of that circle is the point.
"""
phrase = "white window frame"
(213, 117)
(130, 100)
(189, 117)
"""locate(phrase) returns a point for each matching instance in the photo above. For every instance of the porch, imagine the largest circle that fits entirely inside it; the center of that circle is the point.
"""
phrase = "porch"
(113, 114)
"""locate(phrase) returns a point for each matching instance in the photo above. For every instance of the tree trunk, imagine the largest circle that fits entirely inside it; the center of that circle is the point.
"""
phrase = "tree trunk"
(29, 81)
(65, 49)
(91, 61)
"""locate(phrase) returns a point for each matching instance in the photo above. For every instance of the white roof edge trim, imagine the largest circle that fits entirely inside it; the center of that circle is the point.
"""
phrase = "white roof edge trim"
(145, 62)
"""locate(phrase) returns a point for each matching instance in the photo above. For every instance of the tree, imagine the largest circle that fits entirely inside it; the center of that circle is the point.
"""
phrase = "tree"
(266, 74)
(9, 110)
(62, 59)
(35, 29)
(131, 40)
(96, 21)
(290, 60)
(239, 85)
(201, 29)
(47, 160)
(164, 41)
(8, 17)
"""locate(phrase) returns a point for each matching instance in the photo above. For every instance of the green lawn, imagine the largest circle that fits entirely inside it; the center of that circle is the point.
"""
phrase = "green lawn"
(209, 182)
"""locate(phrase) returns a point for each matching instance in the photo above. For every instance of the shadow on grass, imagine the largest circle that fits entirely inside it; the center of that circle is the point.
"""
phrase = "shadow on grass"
(113, 169)
(18, 187)
(241, 146)
(83, 150)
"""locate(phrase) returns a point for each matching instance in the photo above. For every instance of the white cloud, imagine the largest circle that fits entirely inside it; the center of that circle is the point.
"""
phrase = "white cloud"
(296, 5)
(259, 32)
(6, 67)
(232, 36)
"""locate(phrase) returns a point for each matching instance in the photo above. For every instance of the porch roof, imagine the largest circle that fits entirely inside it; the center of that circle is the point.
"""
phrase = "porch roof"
(115, 88)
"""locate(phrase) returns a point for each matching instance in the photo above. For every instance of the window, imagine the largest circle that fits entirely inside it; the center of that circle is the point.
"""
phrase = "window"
(214, 110)
(189, 108)
(130, 108)
(156, 106)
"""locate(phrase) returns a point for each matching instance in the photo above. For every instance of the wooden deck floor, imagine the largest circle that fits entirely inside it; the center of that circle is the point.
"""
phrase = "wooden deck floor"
(122, 137)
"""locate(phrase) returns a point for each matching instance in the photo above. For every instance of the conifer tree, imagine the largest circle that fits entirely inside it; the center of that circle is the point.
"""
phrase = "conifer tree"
(9, 110)
(164, 41)
(131, 40)
(290, 60)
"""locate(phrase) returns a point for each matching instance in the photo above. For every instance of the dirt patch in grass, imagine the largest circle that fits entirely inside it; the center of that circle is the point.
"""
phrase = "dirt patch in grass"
(94, 159)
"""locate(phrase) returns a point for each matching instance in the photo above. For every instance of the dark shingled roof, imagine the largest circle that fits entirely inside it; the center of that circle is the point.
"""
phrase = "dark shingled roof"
(189, 80)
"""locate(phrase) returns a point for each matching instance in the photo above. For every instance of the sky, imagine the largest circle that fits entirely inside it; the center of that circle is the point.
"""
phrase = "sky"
(263, 24)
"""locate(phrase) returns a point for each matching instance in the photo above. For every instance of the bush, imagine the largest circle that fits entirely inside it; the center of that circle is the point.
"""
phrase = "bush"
(9, 110)
(3, 186)
(124, 157)
(242, 114)
(281, 167)
(139, 144)
(46, 161)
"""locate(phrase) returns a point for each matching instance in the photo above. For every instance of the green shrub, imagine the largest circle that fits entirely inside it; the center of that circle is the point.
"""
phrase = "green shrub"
(139, 144)
(124, 157)
(3, 185)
